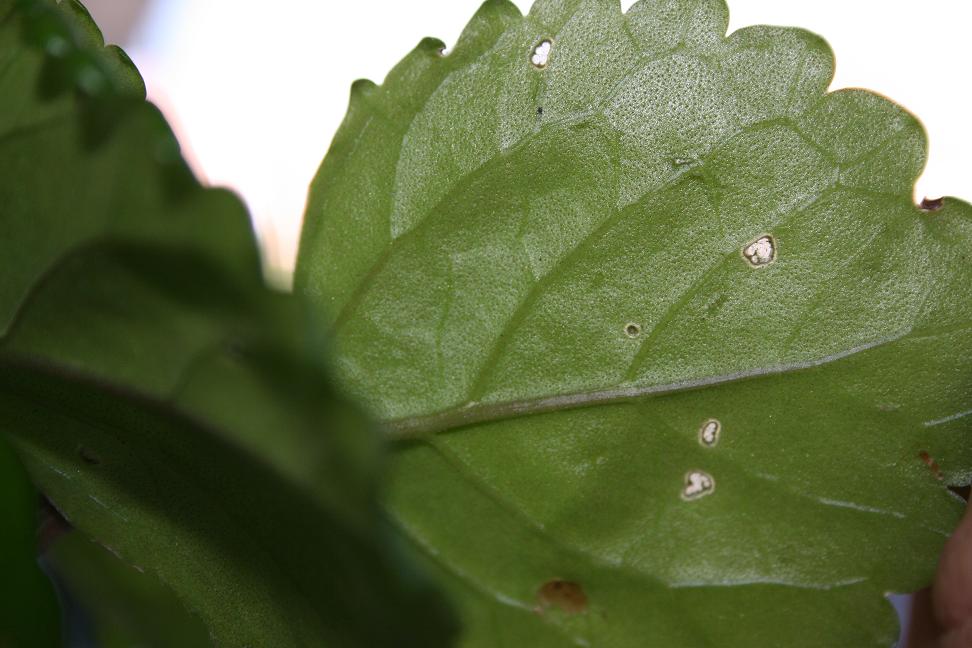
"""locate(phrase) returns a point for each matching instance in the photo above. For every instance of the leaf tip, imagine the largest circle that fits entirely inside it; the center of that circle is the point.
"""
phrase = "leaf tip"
(432, 45)
(363, 88)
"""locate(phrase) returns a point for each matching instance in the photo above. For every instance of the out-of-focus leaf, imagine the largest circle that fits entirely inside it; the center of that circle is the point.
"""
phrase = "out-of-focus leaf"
(168, 404)
(674, 358)
(29, 614)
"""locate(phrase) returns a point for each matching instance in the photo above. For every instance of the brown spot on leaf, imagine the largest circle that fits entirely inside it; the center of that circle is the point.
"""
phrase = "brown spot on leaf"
(932, 204)
(562, 594)
(931, 463)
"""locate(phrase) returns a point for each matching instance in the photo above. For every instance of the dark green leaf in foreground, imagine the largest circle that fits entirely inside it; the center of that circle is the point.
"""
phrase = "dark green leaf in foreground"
(170, 406)
(673, 356)
(28, 608)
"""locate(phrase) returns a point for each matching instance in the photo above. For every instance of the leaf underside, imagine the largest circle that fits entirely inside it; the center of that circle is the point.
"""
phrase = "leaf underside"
(167, 403)
(557, 281)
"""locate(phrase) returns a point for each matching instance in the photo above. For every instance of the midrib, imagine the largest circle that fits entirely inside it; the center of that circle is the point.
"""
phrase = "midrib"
(474, 413)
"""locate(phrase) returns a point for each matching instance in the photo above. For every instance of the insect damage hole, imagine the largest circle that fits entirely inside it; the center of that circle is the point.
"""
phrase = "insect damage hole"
(698, 484)
(561, 594)
(761, 252)
(962, 491)
(632, 330)
(541, 54)
(709, 433)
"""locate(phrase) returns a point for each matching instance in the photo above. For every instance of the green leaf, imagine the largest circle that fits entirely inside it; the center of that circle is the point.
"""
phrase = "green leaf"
(672, 357)
(28, 607)
(169, 405)
(125, 607)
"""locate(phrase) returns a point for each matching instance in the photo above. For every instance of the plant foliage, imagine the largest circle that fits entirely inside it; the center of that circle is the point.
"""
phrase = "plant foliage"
(661, 350)
(168, 404)
(666, 348)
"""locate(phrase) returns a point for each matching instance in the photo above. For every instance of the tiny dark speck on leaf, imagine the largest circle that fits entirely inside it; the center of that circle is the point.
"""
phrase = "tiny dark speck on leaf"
(566, 595)
(539, 111)
(932, 204)
(88, 457)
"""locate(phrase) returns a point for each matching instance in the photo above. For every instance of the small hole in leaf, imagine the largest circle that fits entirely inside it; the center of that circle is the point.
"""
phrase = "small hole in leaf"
(932, 204)
(761, 252)
(931, 463)
(961, 491)
(443, 52)
(541, 53)
(88, 457)
(632, 330)
(562, 594)
(709, 433)
(698, 484)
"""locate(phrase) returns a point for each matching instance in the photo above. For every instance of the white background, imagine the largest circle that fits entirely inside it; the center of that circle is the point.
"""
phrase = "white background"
(256, 90)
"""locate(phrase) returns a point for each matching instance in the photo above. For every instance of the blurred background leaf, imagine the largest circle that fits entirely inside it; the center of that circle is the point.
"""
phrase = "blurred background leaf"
(168, 404)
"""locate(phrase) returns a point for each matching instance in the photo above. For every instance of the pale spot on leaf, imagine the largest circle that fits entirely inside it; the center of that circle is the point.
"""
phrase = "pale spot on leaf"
(541, 54)
(709, 433)
(697, 485)
(761, 252)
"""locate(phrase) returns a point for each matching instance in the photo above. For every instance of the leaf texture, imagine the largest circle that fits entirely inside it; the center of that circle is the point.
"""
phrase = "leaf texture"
(656, 324)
